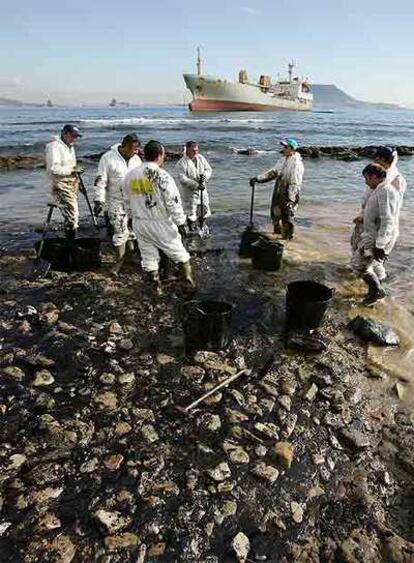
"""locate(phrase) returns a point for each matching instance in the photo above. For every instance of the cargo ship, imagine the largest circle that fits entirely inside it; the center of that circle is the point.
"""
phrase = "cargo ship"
(215, 94)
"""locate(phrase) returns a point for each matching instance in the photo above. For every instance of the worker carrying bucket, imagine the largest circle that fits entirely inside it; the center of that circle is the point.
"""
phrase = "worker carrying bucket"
(288, 173)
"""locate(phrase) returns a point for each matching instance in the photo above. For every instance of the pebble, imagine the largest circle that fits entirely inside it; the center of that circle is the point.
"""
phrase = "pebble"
(49, 522)
(220, 473)
(16, 461)
(241, 546)
(125, 344)
(14, 371)
(236, 416)
(115, 328)
(64, 549)
(354, 438)
(268, 429)
(122, 428)
(149, 433)
(121, 541)
(126, 378)
(111, 521)
(89, 466)
(285, 401)
(113, 462)
(43, 378)
(297, 512)
(260, 451)
(284, 453)
(210, 422)
(107, 378)
(237, 454)
(165, 359)
(193, 373)
(311, 392)
(266, 472)
(106, 401)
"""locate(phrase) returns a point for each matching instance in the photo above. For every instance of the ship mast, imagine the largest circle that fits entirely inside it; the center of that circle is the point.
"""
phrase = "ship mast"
(291, 66)
(199, 64)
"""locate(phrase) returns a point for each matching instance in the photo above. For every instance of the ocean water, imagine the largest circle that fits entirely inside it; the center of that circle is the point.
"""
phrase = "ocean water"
(331, 190)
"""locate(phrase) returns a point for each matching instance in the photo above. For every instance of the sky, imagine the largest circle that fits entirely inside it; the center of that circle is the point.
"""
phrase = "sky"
(85, 51)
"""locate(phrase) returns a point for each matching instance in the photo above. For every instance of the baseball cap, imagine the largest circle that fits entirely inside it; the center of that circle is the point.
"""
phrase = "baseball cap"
(68, 128)
(292, 143)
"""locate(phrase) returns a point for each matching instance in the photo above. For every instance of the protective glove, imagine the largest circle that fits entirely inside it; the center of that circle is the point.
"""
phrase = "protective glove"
(79, 169)
(97, 208)
(252, 182)
(183, 231)
(378, 253)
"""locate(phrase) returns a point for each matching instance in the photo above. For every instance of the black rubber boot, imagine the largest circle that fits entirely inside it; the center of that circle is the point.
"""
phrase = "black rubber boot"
(375, 289)
(288, 229)
(70, 235)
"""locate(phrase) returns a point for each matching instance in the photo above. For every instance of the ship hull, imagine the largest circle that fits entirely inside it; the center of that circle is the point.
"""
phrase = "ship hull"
(214, 94)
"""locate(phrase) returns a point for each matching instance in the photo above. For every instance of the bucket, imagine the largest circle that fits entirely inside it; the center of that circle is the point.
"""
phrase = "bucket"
(306, 304)
(207, 325)
(80, 256)
(267, 255)
(249, 236)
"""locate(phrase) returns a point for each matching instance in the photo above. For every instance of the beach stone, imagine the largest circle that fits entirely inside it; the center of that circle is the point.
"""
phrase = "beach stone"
(126, 378)
(228, 509)
(311, 392)
(14, 371)
(107, 378)
(165, 359)
(122, 428)
(111, 521)
(241, 546)
(149, 433)
(121, 541)
(297, 512)
(237, 454)
(260, 451)
(89, 466)
(115, 328)
(113, 462)
(266, 472)
(16, 461)
(220, 473)
(193, 373)
(49, 522)
(235, 416)
(284, 453)
(210, 422)
(4, 526)
(43, 378)
(125, 344)
(354, 438)
(268, 429)
(157, 549)
(63, 547)
(146, 415)
(106, 401)
(285, 401)
(39, 360)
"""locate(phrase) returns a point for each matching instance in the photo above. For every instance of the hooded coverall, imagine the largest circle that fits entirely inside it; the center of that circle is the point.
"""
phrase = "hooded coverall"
(64, 182)
(288, 173)
(153, 199)
(380, 228)
(398, 182)
(112, 170)
(189, 171)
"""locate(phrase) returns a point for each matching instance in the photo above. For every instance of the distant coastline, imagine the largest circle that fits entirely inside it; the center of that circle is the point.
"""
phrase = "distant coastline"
(327, 96)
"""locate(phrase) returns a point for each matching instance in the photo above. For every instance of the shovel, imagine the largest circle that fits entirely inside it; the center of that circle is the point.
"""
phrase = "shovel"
(41, 267)
(203, 231)
(83, 191)
(250, 234)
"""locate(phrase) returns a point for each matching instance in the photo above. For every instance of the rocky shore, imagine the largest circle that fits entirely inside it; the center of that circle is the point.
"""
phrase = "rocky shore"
(308, 458)
(339, 152)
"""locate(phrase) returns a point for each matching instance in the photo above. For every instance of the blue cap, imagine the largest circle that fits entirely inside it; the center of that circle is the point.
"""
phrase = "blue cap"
(292, 143)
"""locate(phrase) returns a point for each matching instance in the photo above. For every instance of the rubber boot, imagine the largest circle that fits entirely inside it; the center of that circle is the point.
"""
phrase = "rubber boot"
(120, 256)
(187, 272)
(288, 229)
(375, 290)
(154, 279)
(70, 235)
(276, 228)
(130, 252)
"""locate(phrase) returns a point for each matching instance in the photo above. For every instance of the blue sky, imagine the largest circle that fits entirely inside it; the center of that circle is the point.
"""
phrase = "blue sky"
(89, 51)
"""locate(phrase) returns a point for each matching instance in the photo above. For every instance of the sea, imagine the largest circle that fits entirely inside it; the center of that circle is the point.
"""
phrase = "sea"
(331, 194)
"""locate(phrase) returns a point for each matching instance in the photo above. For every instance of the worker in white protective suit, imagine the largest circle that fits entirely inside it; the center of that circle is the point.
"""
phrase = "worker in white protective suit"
(158, 218)
(62, 169)
(388, 159)
(193, 172)
(114, 165)
(288, 173)
(380, 230)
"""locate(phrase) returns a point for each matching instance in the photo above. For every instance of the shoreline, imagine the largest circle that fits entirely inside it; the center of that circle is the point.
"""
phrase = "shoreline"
(99, 464)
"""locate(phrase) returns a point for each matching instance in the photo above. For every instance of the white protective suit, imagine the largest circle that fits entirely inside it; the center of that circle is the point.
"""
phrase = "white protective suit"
(380, 228)
(153, 200)
(288, 173)
(64, 183)
(189, 171)
(108, 185)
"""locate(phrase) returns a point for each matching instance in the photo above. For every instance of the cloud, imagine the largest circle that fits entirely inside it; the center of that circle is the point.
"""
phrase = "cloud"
(13, 82)
(250, 11)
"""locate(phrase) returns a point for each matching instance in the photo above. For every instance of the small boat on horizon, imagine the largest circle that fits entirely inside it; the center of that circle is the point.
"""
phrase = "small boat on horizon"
(211, 93)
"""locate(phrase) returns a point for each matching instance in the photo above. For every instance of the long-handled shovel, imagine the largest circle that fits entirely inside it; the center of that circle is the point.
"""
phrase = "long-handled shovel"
(41, 267)
(83, 191)
(250, 234)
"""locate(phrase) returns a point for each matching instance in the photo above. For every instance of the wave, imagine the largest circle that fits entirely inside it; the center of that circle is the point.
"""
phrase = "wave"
(170, 121)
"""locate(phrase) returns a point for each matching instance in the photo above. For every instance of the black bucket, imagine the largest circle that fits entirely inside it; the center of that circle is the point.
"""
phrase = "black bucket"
(80, 256)
(207, 325)
(306, 304)
(267, 255)
(249, 236)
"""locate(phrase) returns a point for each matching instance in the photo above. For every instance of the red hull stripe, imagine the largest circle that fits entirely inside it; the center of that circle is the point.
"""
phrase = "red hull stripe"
(222, 105)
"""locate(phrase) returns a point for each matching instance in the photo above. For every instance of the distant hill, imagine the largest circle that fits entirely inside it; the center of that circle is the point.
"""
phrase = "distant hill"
(16, 103)
(330, 96)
